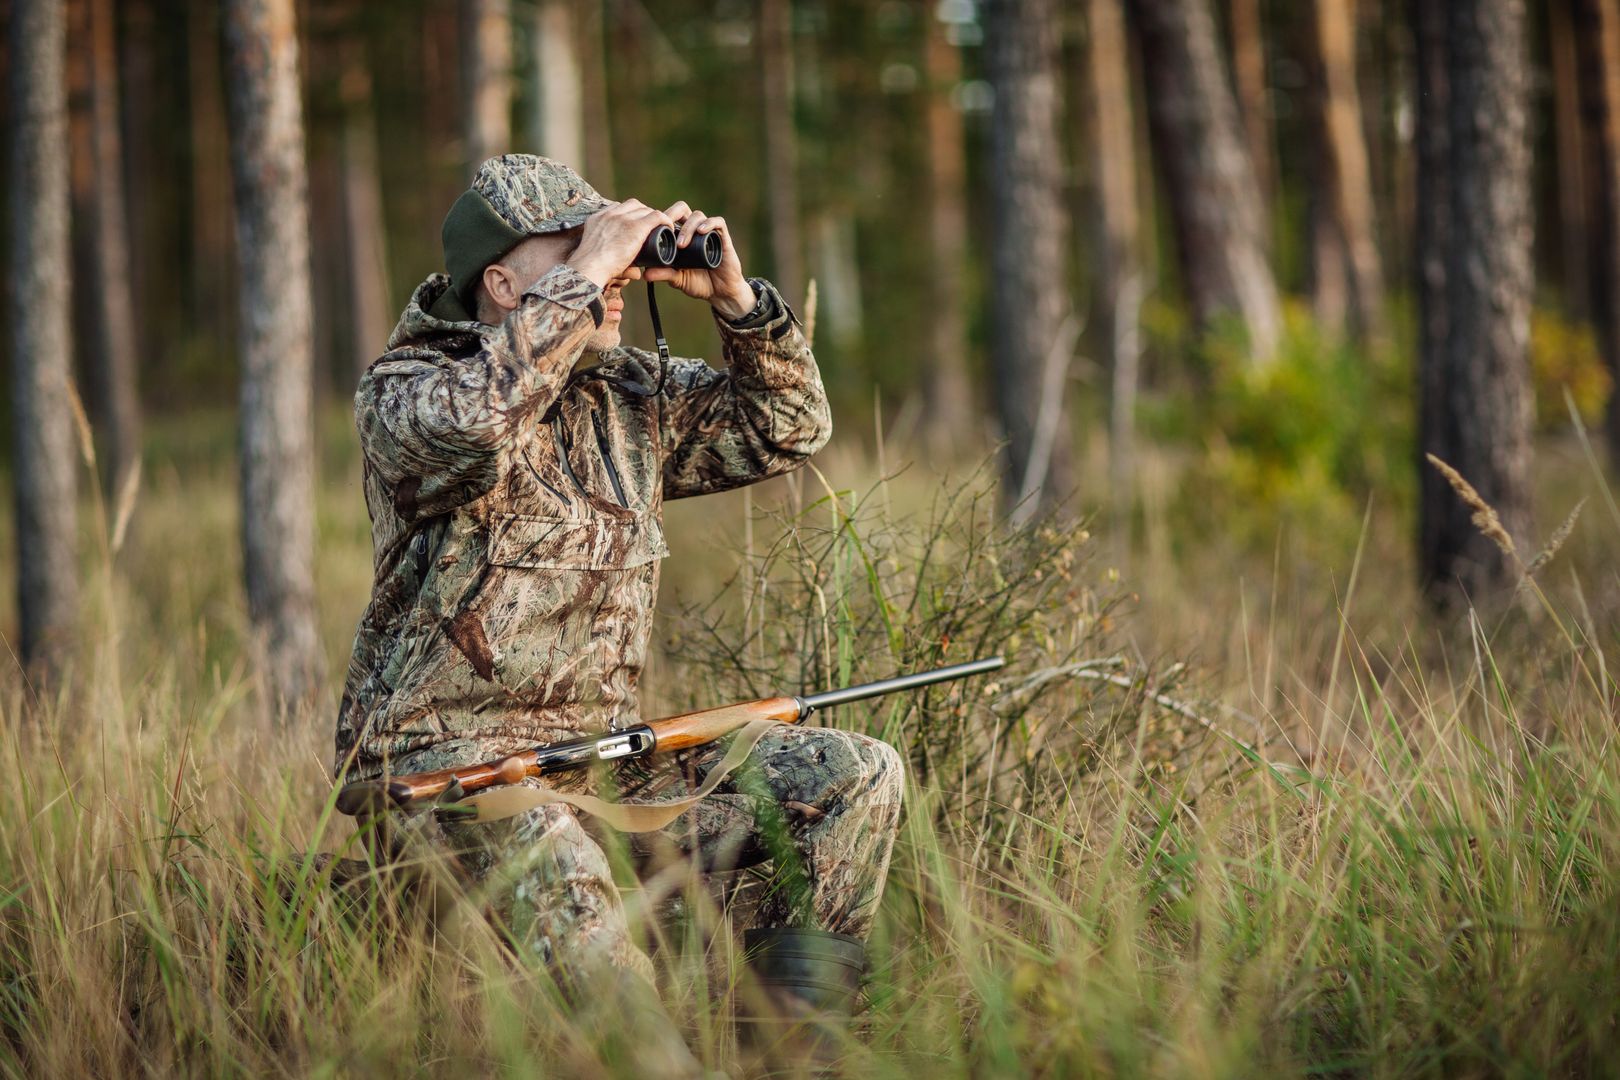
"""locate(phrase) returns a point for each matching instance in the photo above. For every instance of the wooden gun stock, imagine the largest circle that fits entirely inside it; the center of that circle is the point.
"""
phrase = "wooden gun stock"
(697, 728)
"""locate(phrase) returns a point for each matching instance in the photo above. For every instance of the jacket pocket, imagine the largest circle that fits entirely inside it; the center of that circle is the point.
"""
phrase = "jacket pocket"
(593, 543)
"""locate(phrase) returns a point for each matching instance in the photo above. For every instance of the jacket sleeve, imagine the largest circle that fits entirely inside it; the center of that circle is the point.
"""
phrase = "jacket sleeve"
(764, 416)
(433, 427)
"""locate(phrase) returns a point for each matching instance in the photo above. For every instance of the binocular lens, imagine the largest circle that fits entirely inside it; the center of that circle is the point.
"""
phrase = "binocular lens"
(658, 249)
(707, 250)
(703, 253)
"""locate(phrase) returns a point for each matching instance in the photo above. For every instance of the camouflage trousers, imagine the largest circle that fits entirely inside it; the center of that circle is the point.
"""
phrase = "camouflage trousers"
(819, 806)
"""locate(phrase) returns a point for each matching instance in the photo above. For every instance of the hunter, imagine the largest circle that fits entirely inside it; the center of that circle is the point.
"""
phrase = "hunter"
(516, 461)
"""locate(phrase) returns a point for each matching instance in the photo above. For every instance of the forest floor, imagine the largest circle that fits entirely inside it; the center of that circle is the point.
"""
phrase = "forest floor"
(1235, 806)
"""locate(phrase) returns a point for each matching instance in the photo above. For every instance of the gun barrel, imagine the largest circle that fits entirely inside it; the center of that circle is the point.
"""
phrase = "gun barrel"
(898, 683)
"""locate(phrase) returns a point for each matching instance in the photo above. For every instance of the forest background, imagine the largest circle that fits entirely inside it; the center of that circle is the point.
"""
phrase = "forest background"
(1139, 318)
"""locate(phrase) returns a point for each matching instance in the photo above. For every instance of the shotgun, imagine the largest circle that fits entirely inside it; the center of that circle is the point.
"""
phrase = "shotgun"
(664, 736)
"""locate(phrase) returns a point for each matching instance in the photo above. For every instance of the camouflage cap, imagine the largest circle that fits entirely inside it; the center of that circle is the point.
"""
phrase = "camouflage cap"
(513, 197)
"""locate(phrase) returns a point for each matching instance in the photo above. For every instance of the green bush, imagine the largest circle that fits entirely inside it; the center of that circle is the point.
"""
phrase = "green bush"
(1306, 438)
(1564, 356)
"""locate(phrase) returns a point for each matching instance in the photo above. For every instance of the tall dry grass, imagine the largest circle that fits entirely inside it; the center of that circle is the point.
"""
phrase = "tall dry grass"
(1230, 812)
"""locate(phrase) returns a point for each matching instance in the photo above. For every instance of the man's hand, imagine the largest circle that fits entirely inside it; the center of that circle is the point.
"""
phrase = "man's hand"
(724, 286)
(612, 239)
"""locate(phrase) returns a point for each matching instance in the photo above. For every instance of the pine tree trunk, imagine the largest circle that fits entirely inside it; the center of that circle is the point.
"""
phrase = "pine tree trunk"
(487, 75)
(213, 249)
(1599, 40)
(1119, 260)
(267, 159)
(557, 124)
(593, 68)
(115, 396)
(1031, 327)
(1249, 78)
(363, 222)
(1569, 132)
(1209, 179)
(947, 393)
(150, 259)
(43, 452)
(1349, 193)
(780, 135)
(1432, 139)
(1476, 409)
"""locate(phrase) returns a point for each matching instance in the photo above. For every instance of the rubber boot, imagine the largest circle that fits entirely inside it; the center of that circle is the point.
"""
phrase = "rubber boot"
(807, 982)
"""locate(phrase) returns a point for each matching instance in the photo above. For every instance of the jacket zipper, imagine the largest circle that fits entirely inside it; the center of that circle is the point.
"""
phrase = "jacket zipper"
(607, 459)
(561, 439)
(547, 484)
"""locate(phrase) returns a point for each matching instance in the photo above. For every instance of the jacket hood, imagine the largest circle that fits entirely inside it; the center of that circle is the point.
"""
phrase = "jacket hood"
(415, 323)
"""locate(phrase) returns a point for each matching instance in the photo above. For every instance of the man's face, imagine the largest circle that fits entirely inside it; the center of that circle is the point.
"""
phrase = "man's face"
(537, 256)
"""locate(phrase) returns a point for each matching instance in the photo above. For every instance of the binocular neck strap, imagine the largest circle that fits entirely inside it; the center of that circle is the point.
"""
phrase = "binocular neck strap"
(658, 336)
(658, 327)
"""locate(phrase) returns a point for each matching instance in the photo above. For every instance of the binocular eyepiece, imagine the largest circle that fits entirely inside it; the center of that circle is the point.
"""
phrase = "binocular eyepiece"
(703, 253)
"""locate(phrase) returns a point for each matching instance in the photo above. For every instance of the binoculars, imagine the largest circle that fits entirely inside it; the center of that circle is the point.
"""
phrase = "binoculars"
(703, 253)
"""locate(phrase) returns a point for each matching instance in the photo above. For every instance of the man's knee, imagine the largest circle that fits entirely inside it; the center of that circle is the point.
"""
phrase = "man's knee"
(853, 768)
(881, 772)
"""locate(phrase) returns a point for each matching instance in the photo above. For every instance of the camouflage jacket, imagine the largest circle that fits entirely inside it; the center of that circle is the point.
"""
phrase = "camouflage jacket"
(516, 510)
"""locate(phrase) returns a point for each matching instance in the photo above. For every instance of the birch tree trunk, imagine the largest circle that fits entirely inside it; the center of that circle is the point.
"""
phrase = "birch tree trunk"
(487, 77)
(947, 394)
(267, 160)
(1349, 193)
(1119, 262)
(557, 123)
(1477, 409)
(1032, 329)
(43, 450)
(1209, 179)
(1599, 39)
(780, 135)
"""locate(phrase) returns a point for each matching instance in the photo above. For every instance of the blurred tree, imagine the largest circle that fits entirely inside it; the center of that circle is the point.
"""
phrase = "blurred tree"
(267, 159)
(1348, 194)
(1119, 271)
(369, 318)
(1433, 243)
(40, 277)
(1569, 165)
(213, 257)
(1209, 179)
(947, 393)
(486, 79)
(1249, 77)
(593, 68)
(1599, 56)
(1475, 414)
(557, 113)
(1033, 330)
(137, 77)
(104, 269)
(780, 135)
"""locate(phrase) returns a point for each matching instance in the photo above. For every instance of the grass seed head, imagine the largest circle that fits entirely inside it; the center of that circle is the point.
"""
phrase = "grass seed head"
(1484, 517)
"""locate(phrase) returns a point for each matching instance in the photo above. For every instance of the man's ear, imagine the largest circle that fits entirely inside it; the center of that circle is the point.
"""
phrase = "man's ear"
(501, 286)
